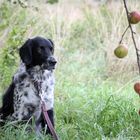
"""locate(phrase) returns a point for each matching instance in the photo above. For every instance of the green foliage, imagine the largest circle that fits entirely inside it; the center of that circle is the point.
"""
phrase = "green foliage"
(95, 112)
(18, 132)
(52, 1)
(9, 55)
(4, 16)
(15, 27)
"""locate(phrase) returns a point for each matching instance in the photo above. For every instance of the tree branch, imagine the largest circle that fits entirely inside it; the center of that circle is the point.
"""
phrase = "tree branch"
(132, 35)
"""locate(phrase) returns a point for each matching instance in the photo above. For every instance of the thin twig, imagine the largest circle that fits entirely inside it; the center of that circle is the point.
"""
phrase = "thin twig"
(123, 34)
(132, 34)
(21, 4)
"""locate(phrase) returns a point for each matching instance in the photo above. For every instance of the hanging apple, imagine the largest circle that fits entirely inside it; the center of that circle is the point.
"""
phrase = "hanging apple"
(134, 17)
(121, 51)
(137, 87)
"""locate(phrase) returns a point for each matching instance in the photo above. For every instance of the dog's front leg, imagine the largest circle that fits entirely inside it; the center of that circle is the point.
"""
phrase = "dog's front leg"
(38, 122)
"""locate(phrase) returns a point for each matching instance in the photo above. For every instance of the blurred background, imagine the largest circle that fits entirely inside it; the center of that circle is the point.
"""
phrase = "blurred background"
(94, 96)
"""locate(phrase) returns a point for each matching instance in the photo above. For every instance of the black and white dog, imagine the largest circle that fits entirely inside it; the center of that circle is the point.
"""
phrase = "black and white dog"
(22, 100)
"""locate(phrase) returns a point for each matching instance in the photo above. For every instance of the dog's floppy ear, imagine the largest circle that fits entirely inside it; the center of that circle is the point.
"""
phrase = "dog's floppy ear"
(51, 42)
(26, 52)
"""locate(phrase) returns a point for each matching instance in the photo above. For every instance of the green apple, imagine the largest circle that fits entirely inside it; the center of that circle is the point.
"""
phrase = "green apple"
(121, 51)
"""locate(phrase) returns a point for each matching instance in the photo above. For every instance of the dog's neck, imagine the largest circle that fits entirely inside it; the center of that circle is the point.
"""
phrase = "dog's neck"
(34, 73)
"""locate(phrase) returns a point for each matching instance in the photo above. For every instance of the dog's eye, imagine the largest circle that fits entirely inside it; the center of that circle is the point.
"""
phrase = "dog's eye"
(52, 49)
(42, 48)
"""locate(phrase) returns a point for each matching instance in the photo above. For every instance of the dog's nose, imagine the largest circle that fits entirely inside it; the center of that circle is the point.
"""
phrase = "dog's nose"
(52, 61)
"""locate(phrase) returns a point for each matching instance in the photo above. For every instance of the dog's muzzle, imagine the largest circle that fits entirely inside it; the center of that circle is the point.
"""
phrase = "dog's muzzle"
(50, 63)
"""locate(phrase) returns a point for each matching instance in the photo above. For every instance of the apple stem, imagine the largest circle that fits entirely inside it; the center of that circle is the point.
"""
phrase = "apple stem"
(132, 35)
(123, 34)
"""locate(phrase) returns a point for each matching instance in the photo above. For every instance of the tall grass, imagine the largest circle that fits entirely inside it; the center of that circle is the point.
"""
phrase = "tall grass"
(94, 97)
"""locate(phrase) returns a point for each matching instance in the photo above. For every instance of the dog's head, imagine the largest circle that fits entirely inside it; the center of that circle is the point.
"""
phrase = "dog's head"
(38, 51)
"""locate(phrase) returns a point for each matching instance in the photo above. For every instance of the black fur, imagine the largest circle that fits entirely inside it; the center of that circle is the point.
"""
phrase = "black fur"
(7, 100)
(37, 64)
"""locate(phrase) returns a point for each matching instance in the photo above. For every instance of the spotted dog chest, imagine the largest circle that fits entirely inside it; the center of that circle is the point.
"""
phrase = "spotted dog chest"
(27, 99)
